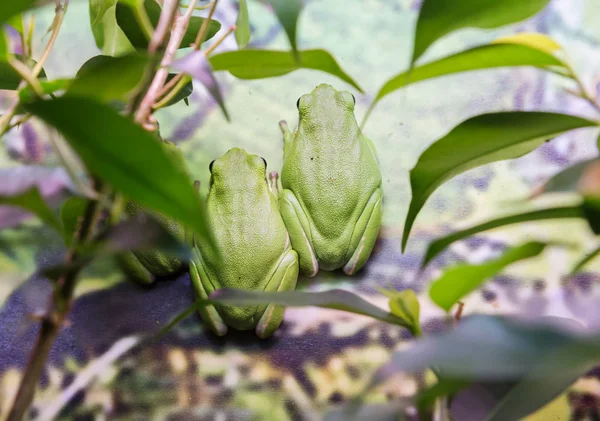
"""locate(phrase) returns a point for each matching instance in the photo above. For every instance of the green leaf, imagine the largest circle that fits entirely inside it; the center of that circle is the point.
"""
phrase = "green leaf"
(479, 141)
(591, 211)
(27, 94)
(441, 17)
(183, 93)
(260, 64)
(567, 181)
(107, 78)
(108, 35)
(3, 47)
(242, 31)
(442, 243)
(17, 23)
(336, 299)
(405, 305)
(97, 10)
(10, 79)
(70, 212)
(32, 201)
(123, 154)
(585, 260)
(8, 9)
(127, 21)
(461, 280)
(287, 12)
(505, 52)
(197, 66)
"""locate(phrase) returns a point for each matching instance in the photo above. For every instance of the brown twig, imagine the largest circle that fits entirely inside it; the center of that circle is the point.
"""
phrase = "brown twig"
(204, 28)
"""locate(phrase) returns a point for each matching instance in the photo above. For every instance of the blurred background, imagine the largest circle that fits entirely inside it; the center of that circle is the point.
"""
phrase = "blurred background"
(319, 357)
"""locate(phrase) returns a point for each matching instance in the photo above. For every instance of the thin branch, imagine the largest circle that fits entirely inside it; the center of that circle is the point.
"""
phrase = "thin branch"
(204, 28)
(27, 75)
(218, 42)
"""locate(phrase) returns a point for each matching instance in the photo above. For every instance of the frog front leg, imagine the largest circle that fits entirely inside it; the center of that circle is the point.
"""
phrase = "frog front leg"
(134, 269)
(297, 225)
(209, 313)
(364, 234)
(284, 279)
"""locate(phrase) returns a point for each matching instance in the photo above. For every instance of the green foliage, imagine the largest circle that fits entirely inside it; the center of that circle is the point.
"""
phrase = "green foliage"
(182, 94)
(8, 9)
(127, 21)
(478, 141)
(405, 305)
(336, 299)
(70, 213)
(242, 31)
(287, 12)
(9, 77)
(126, 156)
(437, 246)
(32, 201)
(441, 17)
(461, 280)
(260, 64)
(108, 35)
(585, 260)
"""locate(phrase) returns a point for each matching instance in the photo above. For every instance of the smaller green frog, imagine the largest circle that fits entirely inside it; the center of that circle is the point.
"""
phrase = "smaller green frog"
(252, 247)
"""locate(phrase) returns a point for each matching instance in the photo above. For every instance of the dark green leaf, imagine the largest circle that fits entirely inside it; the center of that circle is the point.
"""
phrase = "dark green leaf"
(9, 78)
(17, 23)
(107, 78)
(260, 64)
(197, 66)
(479, 141)
(501, 53)
(440, 17)
(242, 31)
(585, 260)
(183, 93)
(132, 160)
(591, 211)
(32, 201)
(459, 281)
(27, 94)
(3, 47)
(128, 23)
(336, 299)
(70, 212)
(440, 244)
(8, 9)
(287, 12)
(108, 35)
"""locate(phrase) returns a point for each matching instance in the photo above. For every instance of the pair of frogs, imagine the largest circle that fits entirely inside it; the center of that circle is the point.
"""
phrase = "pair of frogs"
(327, 215)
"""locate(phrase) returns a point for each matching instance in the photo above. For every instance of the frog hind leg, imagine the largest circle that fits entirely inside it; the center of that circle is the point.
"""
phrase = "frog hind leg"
(209, 313)
(284, 279)
(297, 225)
(134, 269)
(365, 234)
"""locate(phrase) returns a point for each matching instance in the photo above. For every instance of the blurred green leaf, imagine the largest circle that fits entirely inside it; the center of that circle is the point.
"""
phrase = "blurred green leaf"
(567, 180)
(107, 78)
(3, 47)
(27, 94)
(260, 64)
(459, 281)
(32, 201)
(440, 244)
(17, 22)
(70, 212)
(287, 12)
(479, 141)
(441, 17)
(108, 35)
(9, 78)
(197, 66)
(591, 212)
(126, 156)
(183, 93)
(585, 260)
(505, 52)
(405, 305)
(336, 299)
(10, 8)
(242, 31)
(127, 21)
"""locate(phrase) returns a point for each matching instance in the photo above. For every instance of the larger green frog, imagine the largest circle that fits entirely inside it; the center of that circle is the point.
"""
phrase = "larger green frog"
(254, 246)
(331, 198)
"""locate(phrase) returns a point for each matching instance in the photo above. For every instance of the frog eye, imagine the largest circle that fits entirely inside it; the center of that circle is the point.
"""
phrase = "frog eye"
(298, 104)
(211, 165)
(353, 99)
(265, 161)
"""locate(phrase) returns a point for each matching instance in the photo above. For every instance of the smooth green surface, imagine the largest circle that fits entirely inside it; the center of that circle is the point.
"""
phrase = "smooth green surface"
(242, 30)
(10, 8)
(121, 152)
(252, 249)
(440, 17)
(287, 12)
(479, 141)
(70, 213)
(405, 305)
(32, 201)
(461, 280)
(109, 37)
(567, 180)
(259, 64)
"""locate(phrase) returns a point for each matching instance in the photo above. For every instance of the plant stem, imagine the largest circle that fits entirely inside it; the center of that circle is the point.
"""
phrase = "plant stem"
(58, 309)
(27, 75)
(218, 42)
(204, 28)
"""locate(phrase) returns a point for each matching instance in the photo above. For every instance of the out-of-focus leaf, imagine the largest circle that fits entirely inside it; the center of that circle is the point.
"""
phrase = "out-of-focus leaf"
(591, 211)
(108, 35)
(260, 64)
(70, 212)
(379, 412)
(27, 94)
(3, 47)
(479, 141)
(287, 12)
(8, 9)
(242, 30)
(107, 78)
(504, 52)
(567, 181)
(441, 17)
(183, 93)
(440, 244)
(336, 299)
(10, 79)
(123, 154)
(17, 23)
(128, 23)
(585, 260)
(405, 305)
(197, 66)
(32, 201)
(461, 280)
